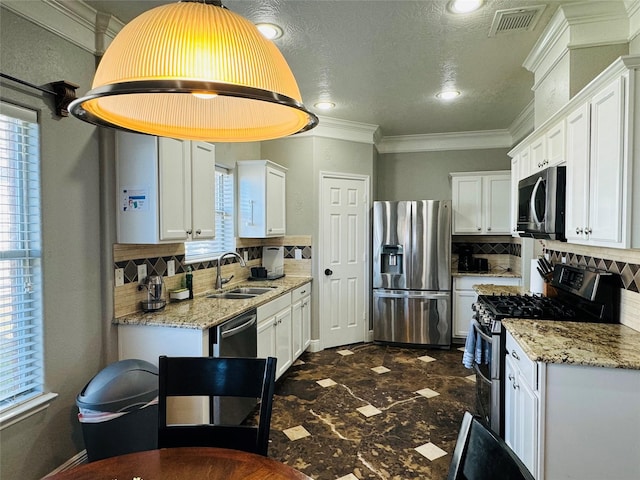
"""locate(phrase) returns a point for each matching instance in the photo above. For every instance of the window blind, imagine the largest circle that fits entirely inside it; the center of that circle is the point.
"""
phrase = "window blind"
(225, 239)
(21, 364)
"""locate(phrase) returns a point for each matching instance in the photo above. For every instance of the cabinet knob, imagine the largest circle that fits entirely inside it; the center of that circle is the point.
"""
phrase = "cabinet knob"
(578, 231)
(198, 232)
(588, 231)
(489, 229)
(189, 232)
(479, 229)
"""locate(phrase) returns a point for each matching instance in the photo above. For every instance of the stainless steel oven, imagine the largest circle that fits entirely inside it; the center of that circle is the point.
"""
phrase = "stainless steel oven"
(584, 295)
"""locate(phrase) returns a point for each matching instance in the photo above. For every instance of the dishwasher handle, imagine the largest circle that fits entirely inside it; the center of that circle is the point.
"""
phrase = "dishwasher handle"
(250, 321)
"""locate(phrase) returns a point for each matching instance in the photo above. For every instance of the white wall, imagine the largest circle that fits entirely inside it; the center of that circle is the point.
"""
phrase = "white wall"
(73, 323)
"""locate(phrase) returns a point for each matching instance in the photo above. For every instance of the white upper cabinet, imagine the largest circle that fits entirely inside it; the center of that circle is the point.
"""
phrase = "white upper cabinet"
(481, 203)
(165, 189)
(599, 136)
(262, 199)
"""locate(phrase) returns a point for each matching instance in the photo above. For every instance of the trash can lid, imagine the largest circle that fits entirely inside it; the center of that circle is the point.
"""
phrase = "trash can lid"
(120, 386)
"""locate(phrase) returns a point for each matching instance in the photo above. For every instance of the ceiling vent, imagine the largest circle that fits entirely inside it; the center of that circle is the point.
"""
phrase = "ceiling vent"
(512, 20)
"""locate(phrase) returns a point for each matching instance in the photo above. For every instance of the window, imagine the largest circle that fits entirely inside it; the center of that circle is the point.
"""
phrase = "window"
(225, 232)
(21, 365)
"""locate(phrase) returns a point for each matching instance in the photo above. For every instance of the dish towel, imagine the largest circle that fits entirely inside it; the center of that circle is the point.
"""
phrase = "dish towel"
(476, 349)
(470, 347)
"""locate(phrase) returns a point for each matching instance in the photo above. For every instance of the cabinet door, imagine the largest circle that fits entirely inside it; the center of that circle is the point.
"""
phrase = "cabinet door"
(606, 166)
(510, 412)
(555, 145)
(203, 181)
(528, 422)
(515, 178)
(306, 322)
(175, 188)
(267, 338)
(284, 352)
(467, 204)
(276, 202)
(497, 204)
(577, 196)
(538, 154)
(297, 341)
(462, 312)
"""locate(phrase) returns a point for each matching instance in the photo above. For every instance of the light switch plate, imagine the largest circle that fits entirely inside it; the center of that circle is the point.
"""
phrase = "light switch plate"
(119, 277)
(171, 268)
(142, 272)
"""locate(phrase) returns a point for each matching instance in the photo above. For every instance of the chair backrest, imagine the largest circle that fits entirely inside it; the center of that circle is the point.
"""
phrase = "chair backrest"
(481, 455)
(216, 377)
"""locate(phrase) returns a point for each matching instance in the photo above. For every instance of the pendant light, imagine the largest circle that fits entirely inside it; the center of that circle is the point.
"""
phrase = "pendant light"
(195, 70)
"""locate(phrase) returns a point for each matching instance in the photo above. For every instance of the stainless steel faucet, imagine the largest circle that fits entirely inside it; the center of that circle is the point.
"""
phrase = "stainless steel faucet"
(219, 280)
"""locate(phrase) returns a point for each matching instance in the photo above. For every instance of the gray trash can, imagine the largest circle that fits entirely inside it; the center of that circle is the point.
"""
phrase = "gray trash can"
(119, 410)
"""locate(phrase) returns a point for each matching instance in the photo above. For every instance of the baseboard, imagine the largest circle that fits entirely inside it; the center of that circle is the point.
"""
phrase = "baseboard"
(78, 459)
(315, 346)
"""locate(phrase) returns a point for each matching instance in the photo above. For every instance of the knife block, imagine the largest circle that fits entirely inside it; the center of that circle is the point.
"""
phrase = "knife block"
(548, 290)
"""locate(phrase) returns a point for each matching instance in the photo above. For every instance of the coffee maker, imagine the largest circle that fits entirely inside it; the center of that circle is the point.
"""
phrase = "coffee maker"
(154, 285)
(465, 258)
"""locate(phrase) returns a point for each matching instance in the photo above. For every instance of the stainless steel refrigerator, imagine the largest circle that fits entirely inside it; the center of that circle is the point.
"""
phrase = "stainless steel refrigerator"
(412, 272)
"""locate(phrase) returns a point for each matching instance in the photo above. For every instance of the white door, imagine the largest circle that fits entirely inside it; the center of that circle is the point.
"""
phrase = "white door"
(343, 262)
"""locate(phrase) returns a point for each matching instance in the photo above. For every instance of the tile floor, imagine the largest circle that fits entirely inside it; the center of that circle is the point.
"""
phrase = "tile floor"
(370, 411)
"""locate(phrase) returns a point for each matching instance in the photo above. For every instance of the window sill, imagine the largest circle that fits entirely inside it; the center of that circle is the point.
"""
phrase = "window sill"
(26, 409)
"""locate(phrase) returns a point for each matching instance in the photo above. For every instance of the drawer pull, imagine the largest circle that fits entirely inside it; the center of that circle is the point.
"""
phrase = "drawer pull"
(515, 355)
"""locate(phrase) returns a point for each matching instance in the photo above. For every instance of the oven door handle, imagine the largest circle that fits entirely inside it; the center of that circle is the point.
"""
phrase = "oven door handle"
(485, 337)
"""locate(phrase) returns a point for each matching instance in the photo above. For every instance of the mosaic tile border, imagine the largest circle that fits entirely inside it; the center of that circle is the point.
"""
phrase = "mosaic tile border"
(629, 272)
(490, 248)
(158, 265)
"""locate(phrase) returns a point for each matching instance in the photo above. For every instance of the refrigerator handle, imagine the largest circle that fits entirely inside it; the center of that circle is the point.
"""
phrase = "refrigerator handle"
(410, 294)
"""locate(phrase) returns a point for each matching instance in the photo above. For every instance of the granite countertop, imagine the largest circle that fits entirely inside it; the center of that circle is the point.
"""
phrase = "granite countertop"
(202, 312)
(577, 343)
(495, 272)
(491, 289)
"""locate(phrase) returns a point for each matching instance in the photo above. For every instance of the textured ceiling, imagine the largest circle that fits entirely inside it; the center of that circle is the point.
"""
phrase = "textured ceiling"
(382, 62)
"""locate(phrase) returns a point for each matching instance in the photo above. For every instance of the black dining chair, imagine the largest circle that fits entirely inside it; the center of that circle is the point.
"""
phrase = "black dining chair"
(481, 455)
(216, 377)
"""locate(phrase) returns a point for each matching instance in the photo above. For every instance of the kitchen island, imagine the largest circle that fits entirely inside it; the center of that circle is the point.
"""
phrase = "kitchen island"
(571, 400)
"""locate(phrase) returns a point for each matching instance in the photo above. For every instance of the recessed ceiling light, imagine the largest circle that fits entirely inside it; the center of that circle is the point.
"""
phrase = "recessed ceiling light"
(464, 6)
(269, 30)
(448, 94)
(324, 105)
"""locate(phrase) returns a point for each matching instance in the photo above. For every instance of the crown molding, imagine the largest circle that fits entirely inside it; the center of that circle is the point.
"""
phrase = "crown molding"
(343, 130)
(585, 24)
(435, 142)
(524, 123)
(633, 11)
(74, 21)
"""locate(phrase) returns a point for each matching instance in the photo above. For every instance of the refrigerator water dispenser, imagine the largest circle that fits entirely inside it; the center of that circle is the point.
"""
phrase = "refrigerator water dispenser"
(391, 261)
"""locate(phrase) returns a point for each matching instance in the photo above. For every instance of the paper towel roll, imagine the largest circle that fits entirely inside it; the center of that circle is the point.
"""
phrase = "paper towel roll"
(536, 283)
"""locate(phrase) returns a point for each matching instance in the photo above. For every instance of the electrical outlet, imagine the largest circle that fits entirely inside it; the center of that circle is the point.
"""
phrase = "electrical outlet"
(245, 255)
(142, 272)
(171, 268)
(119, 277)
(297, 253)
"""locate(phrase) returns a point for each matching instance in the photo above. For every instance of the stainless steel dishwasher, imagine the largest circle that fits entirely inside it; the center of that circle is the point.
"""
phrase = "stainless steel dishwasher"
(237, 337)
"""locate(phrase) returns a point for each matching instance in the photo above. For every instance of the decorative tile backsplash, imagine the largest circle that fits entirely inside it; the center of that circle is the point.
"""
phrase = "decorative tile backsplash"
(157, 265)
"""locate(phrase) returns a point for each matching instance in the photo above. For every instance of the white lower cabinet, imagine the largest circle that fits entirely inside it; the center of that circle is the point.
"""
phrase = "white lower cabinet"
(572, 421)
(464, 296)
(274, 332)
(301, 319)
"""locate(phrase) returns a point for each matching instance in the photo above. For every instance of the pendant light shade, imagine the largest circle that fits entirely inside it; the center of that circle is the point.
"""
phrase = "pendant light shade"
(195, 71)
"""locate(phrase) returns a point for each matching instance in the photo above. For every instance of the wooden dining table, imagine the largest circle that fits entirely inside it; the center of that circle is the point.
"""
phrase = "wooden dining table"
(188, 463)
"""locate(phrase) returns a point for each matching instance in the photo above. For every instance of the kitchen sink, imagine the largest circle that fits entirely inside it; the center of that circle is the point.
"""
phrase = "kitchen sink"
(242, 293)
(232, 295)
(252, 290)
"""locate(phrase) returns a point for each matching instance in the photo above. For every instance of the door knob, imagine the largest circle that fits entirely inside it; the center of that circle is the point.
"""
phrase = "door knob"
(328, 271)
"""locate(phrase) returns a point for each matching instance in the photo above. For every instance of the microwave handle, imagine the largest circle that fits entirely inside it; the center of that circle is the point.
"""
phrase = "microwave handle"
(533, 200)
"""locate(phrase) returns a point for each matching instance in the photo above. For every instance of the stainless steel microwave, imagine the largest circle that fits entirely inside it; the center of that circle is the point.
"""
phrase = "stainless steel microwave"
(541, 204)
